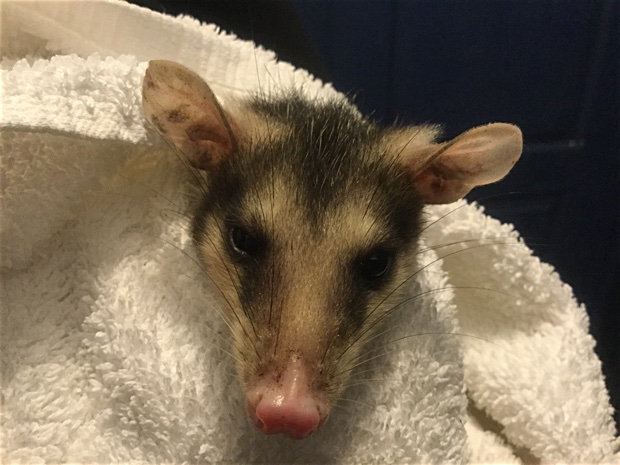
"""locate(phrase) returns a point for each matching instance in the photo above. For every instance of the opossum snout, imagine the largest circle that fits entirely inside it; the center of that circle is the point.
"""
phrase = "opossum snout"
(286, 403)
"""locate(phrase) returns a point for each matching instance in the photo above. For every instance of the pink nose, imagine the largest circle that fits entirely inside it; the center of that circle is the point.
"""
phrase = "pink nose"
(295, 419)
(287, 405)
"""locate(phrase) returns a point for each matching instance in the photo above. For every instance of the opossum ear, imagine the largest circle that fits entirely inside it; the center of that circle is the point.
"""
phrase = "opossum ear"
(446, 172)
(182, 107)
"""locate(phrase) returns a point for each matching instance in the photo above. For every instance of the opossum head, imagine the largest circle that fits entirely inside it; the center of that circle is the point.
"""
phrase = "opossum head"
(309, 226)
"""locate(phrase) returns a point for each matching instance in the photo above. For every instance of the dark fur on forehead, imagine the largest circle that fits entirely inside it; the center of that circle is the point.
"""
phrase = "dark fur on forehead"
(326, 152)
(333, 151)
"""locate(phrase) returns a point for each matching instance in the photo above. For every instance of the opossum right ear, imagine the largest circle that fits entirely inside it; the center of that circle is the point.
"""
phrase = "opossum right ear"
(184, 110)
(445, 172)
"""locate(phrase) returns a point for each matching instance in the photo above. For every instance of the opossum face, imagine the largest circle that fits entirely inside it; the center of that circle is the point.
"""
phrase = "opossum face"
(308, 227)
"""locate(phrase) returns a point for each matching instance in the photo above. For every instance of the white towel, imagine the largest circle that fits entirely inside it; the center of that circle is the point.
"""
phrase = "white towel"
(111, 346)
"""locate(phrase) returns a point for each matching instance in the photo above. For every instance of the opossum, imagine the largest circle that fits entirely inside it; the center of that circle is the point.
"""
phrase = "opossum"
(309, 226)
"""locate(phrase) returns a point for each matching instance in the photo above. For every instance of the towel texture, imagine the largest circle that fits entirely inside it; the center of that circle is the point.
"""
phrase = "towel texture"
(112, 347)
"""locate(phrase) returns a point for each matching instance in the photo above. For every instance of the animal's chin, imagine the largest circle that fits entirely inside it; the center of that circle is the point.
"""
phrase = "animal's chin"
(286, 404)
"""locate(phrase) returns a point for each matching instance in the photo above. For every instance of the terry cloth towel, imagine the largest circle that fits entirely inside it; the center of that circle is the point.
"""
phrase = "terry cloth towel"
(112, 347)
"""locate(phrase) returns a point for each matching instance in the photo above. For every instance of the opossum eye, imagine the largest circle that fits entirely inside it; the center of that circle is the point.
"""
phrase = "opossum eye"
(375, 264)
(244, 242)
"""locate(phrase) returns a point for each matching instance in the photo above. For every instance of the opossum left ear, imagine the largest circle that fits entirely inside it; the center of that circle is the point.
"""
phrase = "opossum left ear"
(184, 110)
(446, 172)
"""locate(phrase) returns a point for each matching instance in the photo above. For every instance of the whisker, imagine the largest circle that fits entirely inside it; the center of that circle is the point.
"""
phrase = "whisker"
(199, 265)
(234, 283)
(442, 217)
(152, 189)
(358, 363)
(372, 324)
(231, 307)
(200, 181)
(459, 288)
(399, 339)
(500, 194)
(227, 352)
(463, 241)
(467, 203)
(354, 401)
(164, 212)
(219, 347)
(363, 382)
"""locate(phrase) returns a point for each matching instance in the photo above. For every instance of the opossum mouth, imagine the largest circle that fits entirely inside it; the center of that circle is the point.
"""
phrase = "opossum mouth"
(286, 404)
